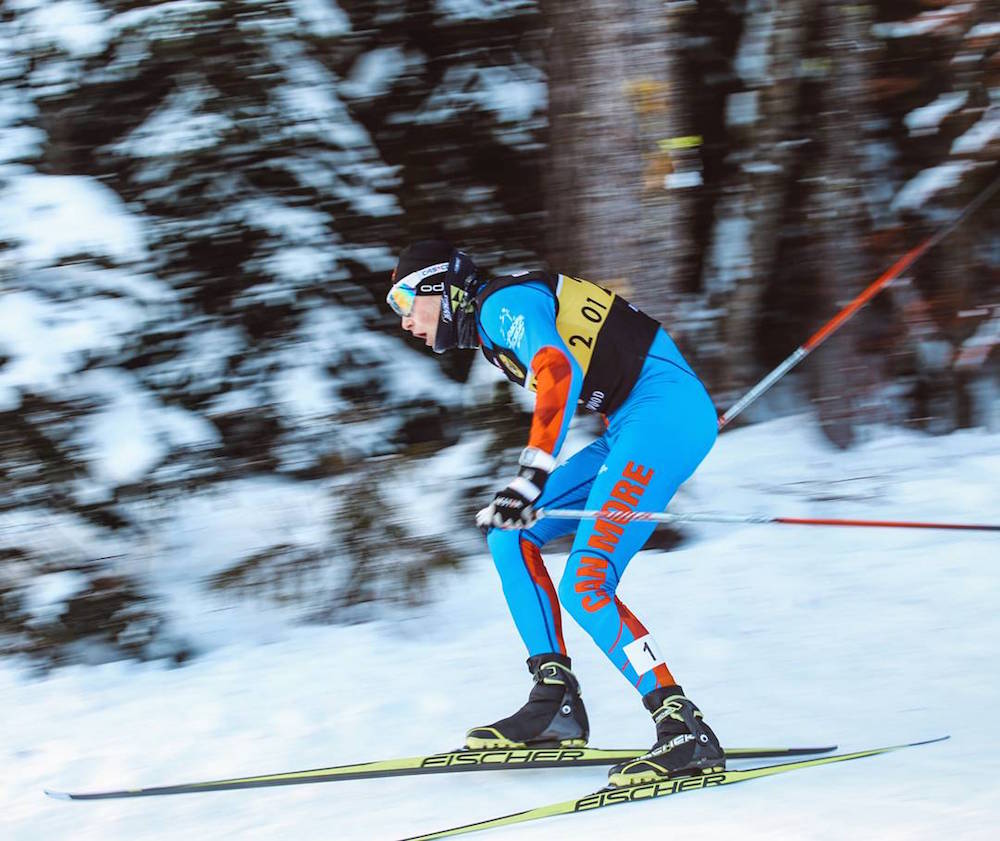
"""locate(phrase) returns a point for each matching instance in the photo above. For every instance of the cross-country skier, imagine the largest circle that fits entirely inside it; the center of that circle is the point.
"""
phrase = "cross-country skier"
(573, 342)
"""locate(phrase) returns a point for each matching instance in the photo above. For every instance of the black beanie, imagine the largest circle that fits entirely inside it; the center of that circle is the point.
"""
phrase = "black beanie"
(422, 255)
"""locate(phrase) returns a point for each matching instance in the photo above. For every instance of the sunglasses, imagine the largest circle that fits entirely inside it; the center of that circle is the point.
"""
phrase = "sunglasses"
(403, 292)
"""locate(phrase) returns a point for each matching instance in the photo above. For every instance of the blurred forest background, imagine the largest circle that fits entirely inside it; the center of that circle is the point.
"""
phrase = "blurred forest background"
(202, 393)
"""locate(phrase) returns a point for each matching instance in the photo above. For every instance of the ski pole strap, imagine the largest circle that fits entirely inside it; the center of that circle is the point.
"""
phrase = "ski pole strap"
(714, 517)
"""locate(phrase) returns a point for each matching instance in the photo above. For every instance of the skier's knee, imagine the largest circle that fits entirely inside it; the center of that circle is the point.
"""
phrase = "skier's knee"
(504, 543)
(506, 549)
(583, 597)
(568, 597)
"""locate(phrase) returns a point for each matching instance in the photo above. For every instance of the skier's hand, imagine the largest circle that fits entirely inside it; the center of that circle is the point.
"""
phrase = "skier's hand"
(512, 508)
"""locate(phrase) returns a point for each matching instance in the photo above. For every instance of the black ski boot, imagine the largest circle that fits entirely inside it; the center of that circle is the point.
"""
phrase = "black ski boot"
(685, 745)
(554, 714)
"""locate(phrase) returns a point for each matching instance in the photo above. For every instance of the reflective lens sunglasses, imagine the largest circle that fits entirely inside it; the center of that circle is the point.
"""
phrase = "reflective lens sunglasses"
(403, 293)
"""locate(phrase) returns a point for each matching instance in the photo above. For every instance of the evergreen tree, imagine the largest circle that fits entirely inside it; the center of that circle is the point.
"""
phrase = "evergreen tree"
(202, 201)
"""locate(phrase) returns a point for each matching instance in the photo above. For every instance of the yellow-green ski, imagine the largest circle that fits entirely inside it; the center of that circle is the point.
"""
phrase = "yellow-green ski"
(647, 791)
(496, 759)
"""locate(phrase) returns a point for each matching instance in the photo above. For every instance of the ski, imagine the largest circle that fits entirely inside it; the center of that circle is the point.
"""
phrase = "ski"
(646, 791)
(441, 763)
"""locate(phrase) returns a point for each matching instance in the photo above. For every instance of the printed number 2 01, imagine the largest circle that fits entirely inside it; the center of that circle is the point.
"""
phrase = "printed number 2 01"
(594, 317)
(590, 313)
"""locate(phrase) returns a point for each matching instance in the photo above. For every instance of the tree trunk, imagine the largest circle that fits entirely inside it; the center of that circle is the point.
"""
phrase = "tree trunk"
(761, 123)
(840, 375)
(661, 93)
(592, 177)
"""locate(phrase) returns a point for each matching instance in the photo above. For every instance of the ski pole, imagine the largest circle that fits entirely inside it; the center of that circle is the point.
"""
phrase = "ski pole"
(710, 517)
(894, 271)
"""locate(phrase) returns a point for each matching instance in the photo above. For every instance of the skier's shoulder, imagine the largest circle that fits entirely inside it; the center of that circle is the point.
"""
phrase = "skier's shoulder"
(516, 304)
(526, 296)
(516, 283)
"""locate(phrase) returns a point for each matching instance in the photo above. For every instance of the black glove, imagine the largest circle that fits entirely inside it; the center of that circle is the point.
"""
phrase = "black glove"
(512, 507)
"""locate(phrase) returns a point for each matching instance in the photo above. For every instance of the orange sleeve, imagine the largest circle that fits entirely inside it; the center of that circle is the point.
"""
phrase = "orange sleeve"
(553, 378)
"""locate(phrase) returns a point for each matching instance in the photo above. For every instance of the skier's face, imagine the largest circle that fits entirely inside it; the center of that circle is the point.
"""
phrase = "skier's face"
(422, 321)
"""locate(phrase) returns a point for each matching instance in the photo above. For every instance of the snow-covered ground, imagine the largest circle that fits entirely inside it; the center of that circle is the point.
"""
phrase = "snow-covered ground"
(781, 634)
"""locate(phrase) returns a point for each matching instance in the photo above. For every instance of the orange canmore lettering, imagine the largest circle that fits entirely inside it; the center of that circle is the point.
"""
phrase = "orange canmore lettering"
(592, 568)
(592, 580)
(588, 585)
(605, 535)
(616, 505)
(637, 473)
(627, 493)
(592, 605)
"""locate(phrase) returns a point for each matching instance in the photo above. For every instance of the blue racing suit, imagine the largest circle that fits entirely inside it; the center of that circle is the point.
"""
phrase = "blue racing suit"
(659, 429)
